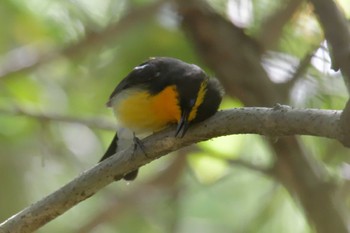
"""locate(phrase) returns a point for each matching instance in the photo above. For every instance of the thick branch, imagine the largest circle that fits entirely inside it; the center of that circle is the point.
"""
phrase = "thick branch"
(279, 121)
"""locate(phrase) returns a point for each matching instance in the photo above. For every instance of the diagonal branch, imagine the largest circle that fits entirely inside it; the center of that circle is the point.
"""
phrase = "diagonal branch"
(279, 121)
(272, 27)
(301, 69)
(31, 59)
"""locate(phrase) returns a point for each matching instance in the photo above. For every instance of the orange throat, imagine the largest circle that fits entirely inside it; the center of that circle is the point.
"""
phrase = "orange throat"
(141, 112)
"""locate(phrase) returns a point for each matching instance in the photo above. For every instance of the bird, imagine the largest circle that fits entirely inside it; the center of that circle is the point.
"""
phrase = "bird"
(156, 94)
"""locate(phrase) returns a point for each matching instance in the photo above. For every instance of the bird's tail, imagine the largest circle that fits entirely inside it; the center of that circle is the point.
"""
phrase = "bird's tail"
(117, 144)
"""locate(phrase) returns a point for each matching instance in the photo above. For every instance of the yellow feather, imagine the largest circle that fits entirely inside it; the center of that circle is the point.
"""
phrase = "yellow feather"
(142, 112)
(199, 100)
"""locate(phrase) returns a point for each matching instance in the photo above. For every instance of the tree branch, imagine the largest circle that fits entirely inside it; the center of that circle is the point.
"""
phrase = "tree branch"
(279, 121)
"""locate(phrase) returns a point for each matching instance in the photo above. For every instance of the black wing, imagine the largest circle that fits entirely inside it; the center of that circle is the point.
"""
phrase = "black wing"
(112, 149)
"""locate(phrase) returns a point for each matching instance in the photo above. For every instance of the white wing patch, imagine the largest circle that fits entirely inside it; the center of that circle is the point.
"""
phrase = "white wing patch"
(141, 67)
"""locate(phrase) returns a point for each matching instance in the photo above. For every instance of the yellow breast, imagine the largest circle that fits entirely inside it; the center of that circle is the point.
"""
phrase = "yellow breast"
(142, 112)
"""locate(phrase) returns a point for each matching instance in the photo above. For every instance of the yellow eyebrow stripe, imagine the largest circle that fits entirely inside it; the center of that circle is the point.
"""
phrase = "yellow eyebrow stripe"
(199, 100)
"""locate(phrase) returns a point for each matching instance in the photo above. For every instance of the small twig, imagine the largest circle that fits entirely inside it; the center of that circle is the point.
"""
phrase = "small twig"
(272, 27)
(301, 69)
(248, 165)
(90, 122)
(245, 164)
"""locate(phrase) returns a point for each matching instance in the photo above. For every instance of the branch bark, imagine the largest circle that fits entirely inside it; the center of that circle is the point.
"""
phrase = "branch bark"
(279, 121)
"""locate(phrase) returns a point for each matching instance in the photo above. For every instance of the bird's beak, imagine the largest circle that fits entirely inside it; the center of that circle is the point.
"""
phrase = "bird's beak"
(183, 124)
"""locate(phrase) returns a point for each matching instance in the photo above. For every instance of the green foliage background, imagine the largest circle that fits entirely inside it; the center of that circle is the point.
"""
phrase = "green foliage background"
(39, 155)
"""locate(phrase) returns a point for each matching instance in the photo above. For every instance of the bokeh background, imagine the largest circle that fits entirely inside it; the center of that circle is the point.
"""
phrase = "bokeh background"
(59, 62)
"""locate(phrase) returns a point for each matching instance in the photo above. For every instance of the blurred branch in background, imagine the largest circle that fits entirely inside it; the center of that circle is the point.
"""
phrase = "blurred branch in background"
(337, 32)
(27, 58)
(301, 70)
(272, 27)
(93, 123)
(234, 56)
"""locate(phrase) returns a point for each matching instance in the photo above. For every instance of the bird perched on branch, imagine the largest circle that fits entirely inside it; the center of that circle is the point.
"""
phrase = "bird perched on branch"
(158, 93)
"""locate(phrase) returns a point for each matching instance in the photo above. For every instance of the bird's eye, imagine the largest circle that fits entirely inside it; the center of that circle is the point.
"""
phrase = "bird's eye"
(192, 102)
